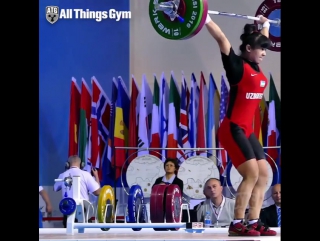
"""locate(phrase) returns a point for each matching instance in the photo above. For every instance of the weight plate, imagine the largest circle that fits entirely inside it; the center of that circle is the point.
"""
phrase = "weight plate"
(175, 30)
(271, 9)
(194, 172)
(173, 204)
(157, 205)
(134, 200)
(143, 171)
(67, 206)
(203, 19)
(106, 197)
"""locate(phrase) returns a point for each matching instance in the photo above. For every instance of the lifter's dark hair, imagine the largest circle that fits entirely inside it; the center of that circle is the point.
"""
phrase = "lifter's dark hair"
(254, 38)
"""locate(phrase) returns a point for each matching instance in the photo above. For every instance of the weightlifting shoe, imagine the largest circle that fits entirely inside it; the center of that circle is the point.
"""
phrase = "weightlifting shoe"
(239, 229)
(262, 228)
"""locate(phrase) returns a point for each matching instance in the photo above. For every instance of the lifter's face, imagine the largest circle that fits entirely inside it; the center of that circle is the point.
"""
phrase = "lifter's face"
(170, 167)
(213, 189)
(256, 55)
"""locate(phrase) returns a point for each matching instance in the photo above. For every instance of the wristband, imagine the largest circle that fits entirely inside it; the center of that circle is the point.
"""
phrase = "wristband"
(208, 19)
(266, 25)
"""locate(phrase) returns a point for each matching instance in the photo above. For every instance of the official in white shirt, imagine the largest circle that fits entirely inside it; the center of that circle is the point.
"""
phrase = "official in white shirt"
(88, 183)
(220, 208)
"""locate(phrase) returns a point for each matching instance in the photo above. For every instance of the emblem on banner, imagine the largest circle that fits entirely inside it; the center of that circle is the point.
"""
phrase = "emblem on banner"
(52, 14)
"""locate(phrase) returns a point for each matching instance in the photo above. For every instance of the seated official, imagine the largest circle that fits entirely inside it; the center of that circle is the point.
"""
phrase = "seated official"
(88, 183)
(171, 168)
(271, 215)
(221, 209)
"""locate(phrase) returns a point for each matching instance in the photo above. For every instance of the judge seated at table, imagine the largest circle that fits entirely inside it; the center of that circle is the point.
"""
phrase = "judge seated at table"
(171, 168)
(221, 208)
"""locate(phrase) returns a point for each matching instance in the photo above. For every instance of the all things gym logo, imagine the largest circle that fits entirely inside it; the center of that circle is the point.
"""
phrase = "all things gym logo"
(54, 13)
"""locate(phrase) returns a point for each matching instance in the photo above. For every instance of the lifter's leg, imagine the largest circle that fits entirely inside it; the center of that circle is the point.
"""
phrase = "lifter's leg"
(256, 200)
(250, 172)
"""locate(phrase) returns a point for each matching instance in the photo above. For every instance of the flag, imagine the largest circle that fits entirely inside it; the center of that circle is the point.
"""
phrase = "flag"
(264, 120)
(222, 154)
(133, 124)
(201, 123)
(257, 125)
(110, 152)
(212, 118)
(74, 117)
(100, 121)
(183, 125)
(145, 112)
(155, 121)
(121, 124)
(164, 108)
(84, 129)
(173, 119)
(193, 112)
(277, 103)
(273, 133)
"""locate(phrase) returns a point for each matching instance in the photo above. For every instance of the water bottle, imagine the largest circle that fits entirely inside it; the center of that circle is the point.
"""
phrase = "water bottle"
(207, 220)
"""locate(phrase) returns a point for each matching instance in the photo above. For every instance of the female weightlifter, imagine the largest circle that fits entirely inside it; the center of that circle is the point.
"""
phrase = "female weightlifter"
(236, 135)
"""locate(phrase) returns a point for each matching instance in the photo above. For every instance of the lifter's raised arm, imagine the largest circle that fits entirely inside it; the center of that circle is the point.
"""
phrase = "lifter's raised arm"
(218, 35)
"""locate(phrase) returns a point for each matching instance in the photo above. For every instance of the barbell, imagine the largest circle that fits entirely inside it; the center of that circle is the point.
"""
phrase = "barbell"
(183, 19)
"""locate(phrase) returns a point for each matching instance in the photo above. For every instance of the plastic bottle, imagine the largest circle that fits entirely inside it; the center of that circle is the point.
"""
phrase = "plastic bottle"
(207, 220)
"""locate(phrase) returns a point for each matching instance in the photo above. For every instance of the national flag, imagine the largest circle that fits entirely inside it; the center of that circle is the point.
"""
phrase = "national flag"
(173, 120)
(100, 121)
(155, 121)
(193, 112)
(277, 104)
(121, 127)
(264, 120)
(85, 123)
(222, 154)
(212, 118)
(257, 125)
(164, 108)
(273, 133)
(74, 117)
(201, 123)
(183, 125)
(145, 112)
(133, 123)
(110, 152)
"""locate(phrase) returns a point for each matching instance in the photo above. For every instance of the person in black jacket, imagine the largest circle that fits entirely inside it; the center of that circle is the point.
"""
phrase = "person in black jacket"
(171, 168)
(271, 215)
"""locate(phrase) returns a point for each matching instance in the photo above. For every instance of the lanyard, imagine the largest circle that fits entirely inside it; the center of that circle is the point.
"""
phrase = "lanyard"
(214, 209)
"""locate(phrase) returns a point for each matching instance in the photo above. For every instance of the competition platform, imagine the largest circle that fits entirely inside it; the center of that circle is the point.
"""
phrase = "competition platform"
(150, 213)
(90, 234)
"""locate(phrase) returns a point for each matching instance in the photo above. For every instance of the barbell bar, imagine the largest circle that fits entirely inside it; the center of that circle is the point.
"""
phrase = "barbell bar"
(277, 22)
(183, 19)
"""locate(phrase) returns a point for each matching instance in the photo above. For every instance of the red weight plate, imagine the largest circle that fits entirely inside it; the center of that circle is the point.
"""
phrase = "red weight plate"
(203, 20)
(266, 9)
(173, 204)
(157, 203)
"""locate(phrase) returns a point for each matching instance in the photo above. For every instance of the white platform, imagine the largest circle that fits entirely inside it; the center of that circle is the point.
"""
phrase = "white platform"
(55, 234)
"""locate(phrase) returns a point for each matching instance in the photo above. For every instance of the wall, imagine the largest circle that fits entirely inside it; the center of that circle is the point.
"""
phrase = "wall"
(74, 48)
(150, 53)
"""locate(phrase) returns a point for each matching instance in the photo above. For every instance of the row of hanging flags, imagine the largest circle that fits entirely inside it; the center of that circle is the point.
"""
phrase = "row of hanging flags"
(168, 116)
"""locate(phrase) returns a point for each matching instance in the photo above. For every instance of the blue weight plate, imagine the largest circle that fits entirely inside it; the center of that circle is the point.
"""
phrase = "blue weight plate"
(67, 206)
(134, 200)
